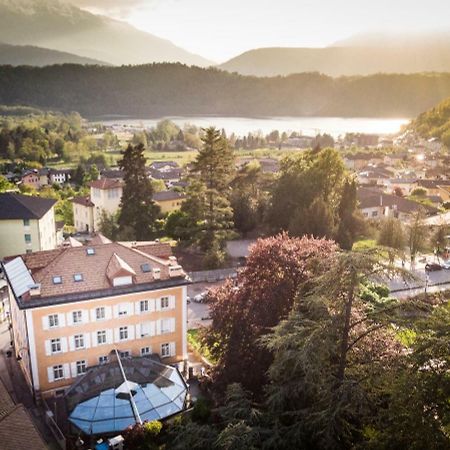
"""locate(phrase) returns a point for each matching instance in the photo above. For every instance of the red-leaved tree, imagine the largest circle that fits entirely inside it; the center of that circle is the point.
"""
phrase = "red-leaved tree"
(265, 292)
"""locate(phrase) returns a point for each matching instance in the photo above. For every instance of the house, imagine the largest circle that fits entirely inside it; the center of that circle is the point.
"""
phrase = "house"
(360, 160)
(27, 224)
(106, 194)
(44, 176)
(31, 178)
(169, 201)
(374, 175)
(164, 166)
(436, 187)
(59, 176)
(72, 307)
(377, 205)
(168, 176)
(17, 430)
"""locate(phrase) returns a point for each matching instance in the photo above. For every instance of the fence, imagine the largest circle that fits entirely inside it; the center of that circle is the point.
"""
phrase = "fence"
(52, 425)
(210, 276)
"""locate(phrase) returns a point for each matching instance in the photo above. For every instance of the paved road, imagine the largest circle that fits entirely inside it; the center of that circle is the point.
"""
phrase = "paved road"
(198, 313)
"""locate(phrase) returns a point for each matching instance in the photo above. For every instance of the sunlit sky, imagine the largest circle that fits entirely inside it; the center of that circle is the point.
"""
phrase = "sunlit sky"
(219, 30)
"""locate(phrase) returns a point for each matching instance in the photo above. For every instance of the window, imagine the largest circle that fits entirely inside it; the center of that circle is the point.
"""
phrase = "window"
(53, 321)
(29, 250)
(26, 222)
(145, 351)
(100, 313)
(101, 337)
(123, 310)
(90, 251)
(164, 302)
(144, 306)
(125, 354)
(78, 277)
(123, 333)
(146, 267)
(374, 213)
(102, 359)
(77, 317)
(28, 238)
(165, 350)
(58, 372)
(79, 341)
(56, 345)
(165, 326)
(81, 367)
(57, 279)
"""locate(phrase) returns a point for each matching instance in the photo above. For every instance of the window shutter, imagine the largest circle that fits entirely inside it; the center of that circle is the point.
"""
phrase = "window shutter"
(66, 371)
(71, 343)
(64, 345)
(116, 335)
(48, 347)
(45, 324)
(93, 315)
(137, 308)
(138, 330)
(87, 340)
(130, 308)
(158, 327)
(172, 324)
(69, 319)
(158, 304)
(152, 328)
(51, 377)
(108, 314)
(73, 369)
(172, 302)
(172, 348)
(130, 333)
(62, 320)
(85, 316)
(109, 336)
(94, 339)
(115, 311)
(151, 305)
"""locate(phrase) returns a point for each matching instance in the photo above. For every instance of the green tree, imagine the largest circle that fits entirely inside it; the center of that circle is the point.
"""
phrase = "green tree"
(108, 225)
(417, 235)
(137, 209)
(392, 236)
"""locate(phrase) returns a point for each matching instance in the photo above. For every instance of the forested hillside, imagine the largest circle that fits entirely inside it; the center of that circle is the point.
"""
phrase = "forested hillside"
(175, 89)
(435, 122)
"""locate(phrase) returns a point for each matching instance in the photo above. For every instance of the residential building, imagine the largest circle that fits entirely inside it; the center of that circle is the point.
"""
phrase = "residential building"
(71, 307)
(106, 194)
(27, 224)
(59, 176)
(169, 201)
(31, 179)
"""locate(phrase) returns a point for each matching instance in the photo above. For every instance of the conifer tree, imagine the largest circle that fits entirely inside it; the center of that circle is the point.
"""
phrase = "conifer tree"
(138, 211)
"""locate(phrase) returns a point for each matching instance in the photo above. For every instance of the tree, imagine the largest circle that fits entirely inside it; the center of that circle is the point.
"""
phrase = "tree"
(108, 225)
(266, 287)
(94, 173)
(439, 239)
(207, 201)
(392, 236)
(417, 235)
(137, 209)
(5, 185)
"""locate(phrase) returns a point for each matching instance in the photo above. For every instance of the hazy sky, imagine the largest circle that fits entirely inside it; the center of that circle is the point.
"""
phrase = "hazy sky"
(220, 29)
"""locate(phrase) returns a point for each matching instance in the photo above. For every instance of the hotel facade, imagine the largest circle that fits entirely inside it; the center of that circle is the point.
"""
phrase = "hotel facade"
(71, 307)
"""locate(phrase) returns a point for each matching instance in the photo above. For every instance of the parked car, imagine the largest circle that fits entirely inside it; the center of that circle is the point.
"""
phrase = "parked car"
(199, 298)
(446, 264)
(432, 267)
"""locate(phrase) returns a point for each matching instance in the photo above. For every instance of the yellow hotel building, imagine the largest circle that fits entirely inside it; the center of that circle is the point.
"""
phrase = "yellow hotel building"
(72, 306)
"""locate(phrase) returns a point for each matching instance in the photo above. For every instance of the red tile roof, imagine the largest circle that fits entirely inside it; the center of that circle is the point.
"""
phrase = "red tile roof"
(105, 183)
(84, 201)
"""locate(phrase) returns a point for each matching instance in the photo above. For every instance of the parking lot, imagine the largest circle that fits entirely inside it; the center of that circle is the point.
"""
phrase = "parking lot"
(198, 313)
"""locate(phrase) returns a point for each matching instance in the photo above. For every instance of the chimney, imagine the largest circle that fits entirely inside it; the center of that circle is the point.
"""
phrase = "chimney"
(156, 273)
(35, 290)
(175, 271)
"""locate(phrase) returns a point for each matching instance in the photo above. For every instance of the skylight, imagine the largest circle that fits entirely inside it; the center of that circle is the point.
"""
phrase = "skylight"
(78, 277)
(57, 279)
(146, 267)
(90, 251)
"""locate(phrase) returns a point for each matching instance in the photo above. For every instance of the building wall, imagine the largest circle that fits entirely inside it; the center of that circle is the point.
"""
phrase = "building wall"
(167, 206)
(83, 216)
(42, 234)
(32, 180)
(105, 199)
(91, 353)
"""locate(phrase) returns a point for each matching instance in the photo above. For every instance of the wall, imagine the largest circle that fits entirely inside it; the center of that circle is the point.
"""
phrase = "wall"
(82, 216)
(92, 353)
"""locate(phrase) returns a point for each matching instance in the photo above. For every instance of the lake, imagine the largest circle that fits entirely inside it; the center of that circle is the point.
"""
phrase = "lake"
(309, 126)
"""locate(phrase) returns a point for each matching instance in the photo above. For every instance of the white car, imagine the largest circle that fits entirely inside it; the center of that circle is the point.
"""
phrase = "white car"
(199, 297)
(446, 264)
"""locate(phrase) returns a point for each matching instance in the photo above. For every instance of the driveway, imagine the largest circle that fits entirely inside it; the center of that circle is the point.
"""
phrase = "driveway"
(198, 313)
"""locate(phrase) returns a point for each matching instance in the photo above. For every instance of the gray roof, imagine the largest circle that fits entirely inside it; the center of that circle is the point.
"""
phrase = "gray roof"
(167, 195)
(18, 206)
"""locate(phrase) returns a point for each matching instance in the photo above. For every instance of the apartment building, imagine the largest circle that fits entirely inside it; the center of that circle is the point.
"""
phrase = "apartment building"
(71, 307)
(27, 224)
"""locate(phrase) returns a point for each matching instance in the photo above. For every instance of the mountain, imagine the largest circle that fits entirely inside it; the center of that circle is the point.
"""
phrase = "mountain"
(58, 25)
(360, 55)
(18, 55)
(157, 90)
(434, 122)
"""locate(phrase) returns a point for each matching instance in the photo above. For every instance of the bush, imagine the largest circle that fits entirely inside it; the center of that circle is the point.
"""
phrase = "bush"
(153, 428)
(201, 411)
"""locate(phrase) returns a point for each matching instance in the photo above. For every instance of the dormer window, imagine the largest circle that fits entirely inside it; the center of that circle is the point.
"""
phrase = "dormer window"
(90, 251)
(146, 267)
(78, 277)
(57, 279)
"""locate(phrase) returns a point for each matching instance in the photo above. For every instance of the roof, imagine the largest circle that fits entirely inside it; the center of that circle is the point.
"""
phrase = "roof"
(72, 242)
(433, 184)
(368, 198)
(99, 401)
(99, 239)
(84, 201)
(158, 249)
(112, 173)
(105, 183)
(18, 206)
(167, 195)
(173, 174)
(17, 430)
(159, 164)
(96, 268)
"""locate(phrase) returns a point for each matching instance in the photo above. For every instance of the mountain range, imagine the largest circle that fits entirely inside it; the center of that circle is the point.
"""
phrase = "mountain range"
(57, 25)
